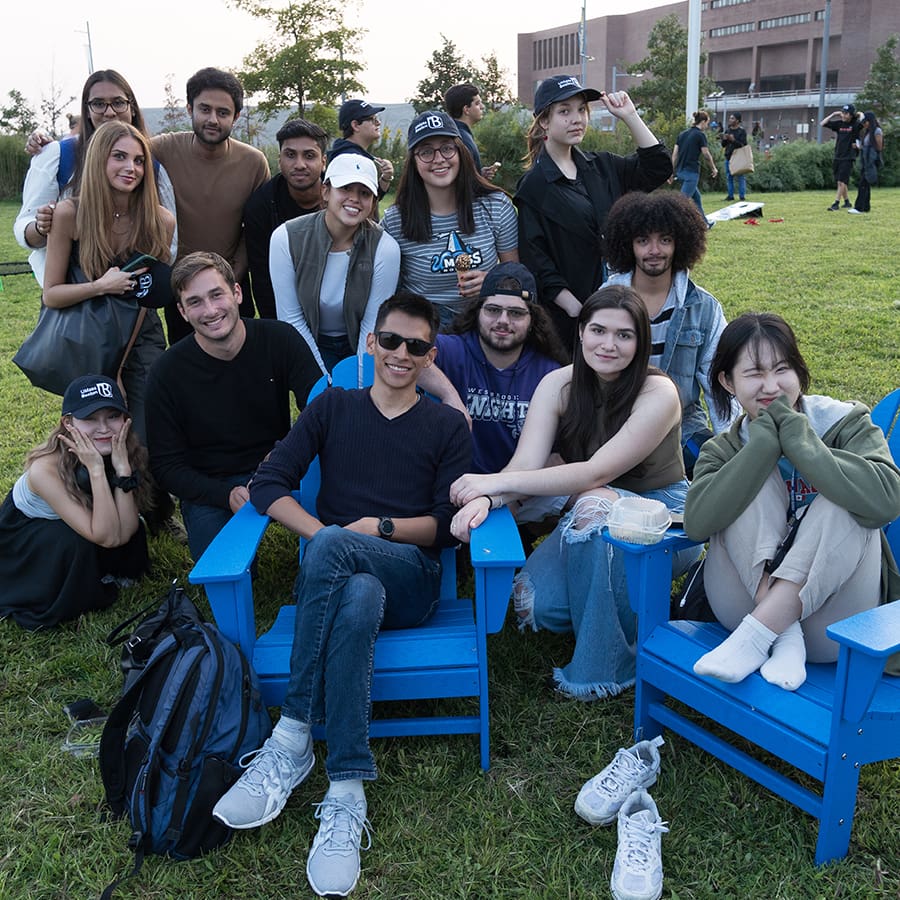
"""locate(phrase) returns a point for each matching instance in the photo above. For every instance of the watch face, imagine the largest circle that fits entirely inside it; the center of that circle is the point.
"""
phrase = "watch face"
(386, 526)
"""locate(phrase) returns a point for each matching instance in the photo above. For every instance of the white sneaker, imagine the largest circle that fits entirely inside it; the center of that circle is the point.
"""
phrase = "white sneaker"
(333, 865)
(633, 769)
(854, 212)
(261, 793)
(637, 871)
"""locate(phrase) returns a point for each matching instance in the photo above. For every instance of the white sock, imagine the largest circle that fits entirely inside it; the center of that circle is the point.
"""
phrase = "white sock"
(742, 652)
(293, 734)
(786, 666)
(352, 786)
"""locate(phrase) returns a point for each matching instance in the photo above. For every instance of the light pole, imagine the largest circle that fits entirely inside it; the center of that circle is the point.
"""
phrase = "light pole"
(582, 43)
(616, 74)
(715, 97)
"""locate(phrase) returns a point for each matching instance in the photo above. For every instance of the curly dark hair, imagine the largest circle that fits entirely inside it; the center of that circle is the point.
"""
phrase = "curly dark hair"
(663, 212)
(542, 336)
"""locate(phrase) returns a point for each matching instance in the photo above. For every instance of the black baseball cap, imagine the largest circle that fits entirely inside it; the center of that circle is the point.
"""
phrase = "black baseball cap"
(848, 108)
(527, 286)
(87, 394)
(560, 87)
(429, 124)
(356, 111)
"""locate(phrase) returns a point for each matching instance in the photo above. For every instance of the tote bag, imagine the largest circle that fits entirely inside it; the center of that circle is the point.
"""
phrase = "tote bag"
(741, 161)
(91, 336)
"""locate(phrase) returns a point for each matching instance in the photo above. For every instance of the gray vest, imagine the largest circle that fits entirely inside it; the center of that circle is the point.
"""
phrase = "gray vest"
(310, 243)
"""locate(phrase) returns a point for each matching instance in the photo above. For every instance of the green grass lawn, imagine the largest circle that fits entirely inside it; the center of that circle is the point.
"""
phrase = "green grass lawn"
(442, 828)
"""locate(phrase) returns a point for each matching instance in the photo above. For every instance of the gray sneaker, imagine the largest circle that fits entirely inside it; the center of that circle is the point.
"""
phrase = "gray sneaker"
(260, 794)
(633, 769)
(638, 872)
(333, 864)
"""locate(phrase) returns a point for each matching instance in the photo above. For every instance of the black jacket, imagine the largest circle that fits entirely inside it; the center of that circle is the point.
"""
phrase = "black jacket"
(563, 252)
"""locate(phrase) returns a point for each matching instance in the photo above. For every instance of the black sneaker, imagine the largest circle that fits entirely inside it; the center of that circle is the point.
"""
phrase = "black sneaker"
(834, 206)
(847, 204)
(729, 199)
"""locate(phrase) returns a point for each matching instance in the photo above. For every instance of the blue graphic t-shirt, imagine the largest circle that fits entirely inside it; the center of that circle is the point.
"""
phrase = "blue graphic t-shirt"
(430, 268)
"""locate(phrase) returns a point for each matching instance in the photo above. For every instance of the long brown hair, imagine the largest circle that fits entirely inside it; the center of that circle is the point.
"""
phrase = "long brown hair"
(96, 205)
(412, 197)
(537, 133)
(595, 409)
(67, 463)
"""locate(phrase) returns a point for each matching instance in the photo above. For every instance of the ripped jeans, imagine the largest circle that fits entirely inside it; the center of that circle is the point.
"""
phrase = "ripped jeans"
(575, 582)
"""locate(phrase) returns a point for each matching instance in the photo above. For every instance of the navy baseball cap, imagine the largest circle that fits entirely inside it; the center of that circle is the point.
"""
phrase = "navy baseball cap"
(560, 87)
(848, 108)
(527, 286)
(89, 393)
(356, 111)
(428, 124)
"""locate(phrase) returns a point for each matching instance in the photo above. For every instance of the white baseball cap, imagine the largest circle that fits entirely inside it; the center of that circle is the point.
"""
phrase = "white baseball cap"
(352, 168)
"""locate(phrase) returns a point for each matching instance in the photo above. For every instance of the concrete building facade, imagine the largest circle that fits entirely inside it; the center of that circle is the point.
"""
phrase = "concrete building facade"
(764, 55)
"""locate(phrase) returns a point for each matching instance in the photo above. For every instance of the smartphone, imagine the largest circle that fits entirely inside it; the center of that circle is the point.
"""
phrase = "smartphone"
(139, 262)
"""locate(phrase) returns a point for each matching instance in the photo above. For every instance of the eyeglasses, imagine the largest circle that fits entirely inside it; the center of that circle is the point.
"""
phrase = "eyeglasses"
(373, 119)
(391, 341)
(119, 104)
(427, 154)
(515, 313)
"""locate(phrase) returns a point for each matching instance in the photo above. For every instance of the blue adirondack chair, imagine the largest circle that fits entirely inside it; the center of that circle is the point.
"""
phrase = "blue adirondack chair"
(446, 657)
(846, 714)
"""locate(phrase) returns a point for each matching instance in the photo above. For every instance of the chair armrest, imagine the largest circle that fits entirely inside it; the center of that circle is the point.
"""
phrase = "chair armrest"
(496, 552)
(875, 632)
(224, 571)
(648, 568)
(867, 639)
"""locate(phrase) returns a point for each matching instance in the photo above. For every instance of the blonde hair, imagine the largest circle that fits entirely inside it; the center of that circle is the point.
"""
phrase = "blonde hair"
(96, 205)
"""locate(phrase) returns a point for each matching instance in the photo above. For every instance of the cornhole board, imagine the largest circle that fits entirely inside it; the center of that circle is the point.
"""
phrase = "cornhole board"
(735, 211)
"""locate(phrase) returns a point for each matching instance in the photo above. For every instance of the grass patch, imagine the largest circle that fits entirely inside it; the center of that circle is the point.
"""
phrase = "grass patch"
(443, 829)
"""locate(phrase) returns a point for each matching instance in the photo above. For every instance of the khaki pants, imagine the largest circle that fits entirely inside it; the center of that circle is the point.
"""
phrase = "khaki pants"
(835, 559)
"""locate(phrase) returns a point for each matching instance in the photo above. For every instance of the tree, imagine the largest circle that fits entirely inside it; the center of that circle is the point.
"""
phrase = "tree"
(309, 56)
(446, 67)
(492, 83)
(881, 92)
(175, 117)
(53, 106)
(17, 117)
(663, 92)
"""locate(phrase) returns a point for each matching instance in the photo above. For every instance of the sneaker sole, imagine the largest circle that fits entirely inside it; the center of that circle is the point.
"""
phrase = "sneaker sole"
(275, 812)
(319, 892)
(585, 812)
(629, 896)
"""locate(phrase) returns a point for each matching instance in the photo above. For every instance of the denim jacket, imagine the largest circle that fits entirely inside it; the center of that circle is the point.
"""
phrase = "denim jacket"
(691, 339)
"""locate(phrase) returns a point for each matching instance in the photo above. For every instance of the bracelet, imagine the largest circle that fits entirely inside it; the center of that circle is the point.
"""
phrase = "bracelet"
(37, 228)
(126, 483)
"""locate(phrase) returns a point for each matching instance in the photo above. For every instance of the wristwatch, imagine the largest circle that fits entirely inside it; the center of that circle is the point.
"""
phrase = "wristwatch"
(386, 527)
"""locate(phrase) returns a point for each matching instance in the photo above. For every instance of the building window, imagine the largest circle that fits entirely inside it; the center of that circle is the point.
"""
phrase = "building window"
(717, 4)
(732, 29)
(782, 21)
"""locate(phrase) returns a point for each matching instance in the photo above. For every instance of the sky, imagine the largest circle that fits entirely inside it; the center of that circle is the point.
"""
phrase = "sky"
(45, 41)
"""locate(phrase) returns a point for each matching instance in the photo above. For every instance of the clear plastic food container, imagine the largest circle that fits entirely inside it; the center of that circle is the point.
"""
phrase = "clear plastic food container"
(638, 520)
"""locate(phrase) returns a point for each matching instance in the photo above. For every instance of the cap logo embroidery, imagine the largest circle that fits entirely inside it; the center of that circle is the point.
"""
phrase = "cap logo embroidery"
(434, 121)
(567, 82)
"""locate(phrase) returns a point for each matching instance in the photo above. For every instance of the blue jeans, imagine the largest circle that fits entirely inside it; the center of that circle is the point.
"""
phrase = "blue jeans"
(348, 585)
(729, 180)
(202, 523)
(579, 586)
(689, 182)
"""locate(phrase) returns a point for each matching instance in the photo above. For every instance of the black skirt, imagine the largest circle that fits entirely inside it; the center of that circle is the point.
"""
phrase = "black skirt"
(49, 573)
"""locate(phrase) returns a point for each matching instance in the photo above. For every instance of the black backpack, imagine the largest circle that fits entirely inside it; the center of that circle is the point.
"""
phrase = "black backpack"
(191, 708)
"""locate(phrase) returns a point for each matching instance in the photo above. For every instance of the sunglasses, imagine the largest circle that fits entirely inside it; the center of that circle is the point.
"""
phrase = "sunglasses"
(391, 341)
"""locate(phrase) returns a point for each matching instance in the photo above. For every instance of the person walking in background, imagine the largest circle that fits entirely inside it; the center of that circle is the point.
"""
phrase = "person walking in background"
(871, 143)
(463, 102)
(689, 147)
(845, 124)
(734, 136)
(565, 197)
